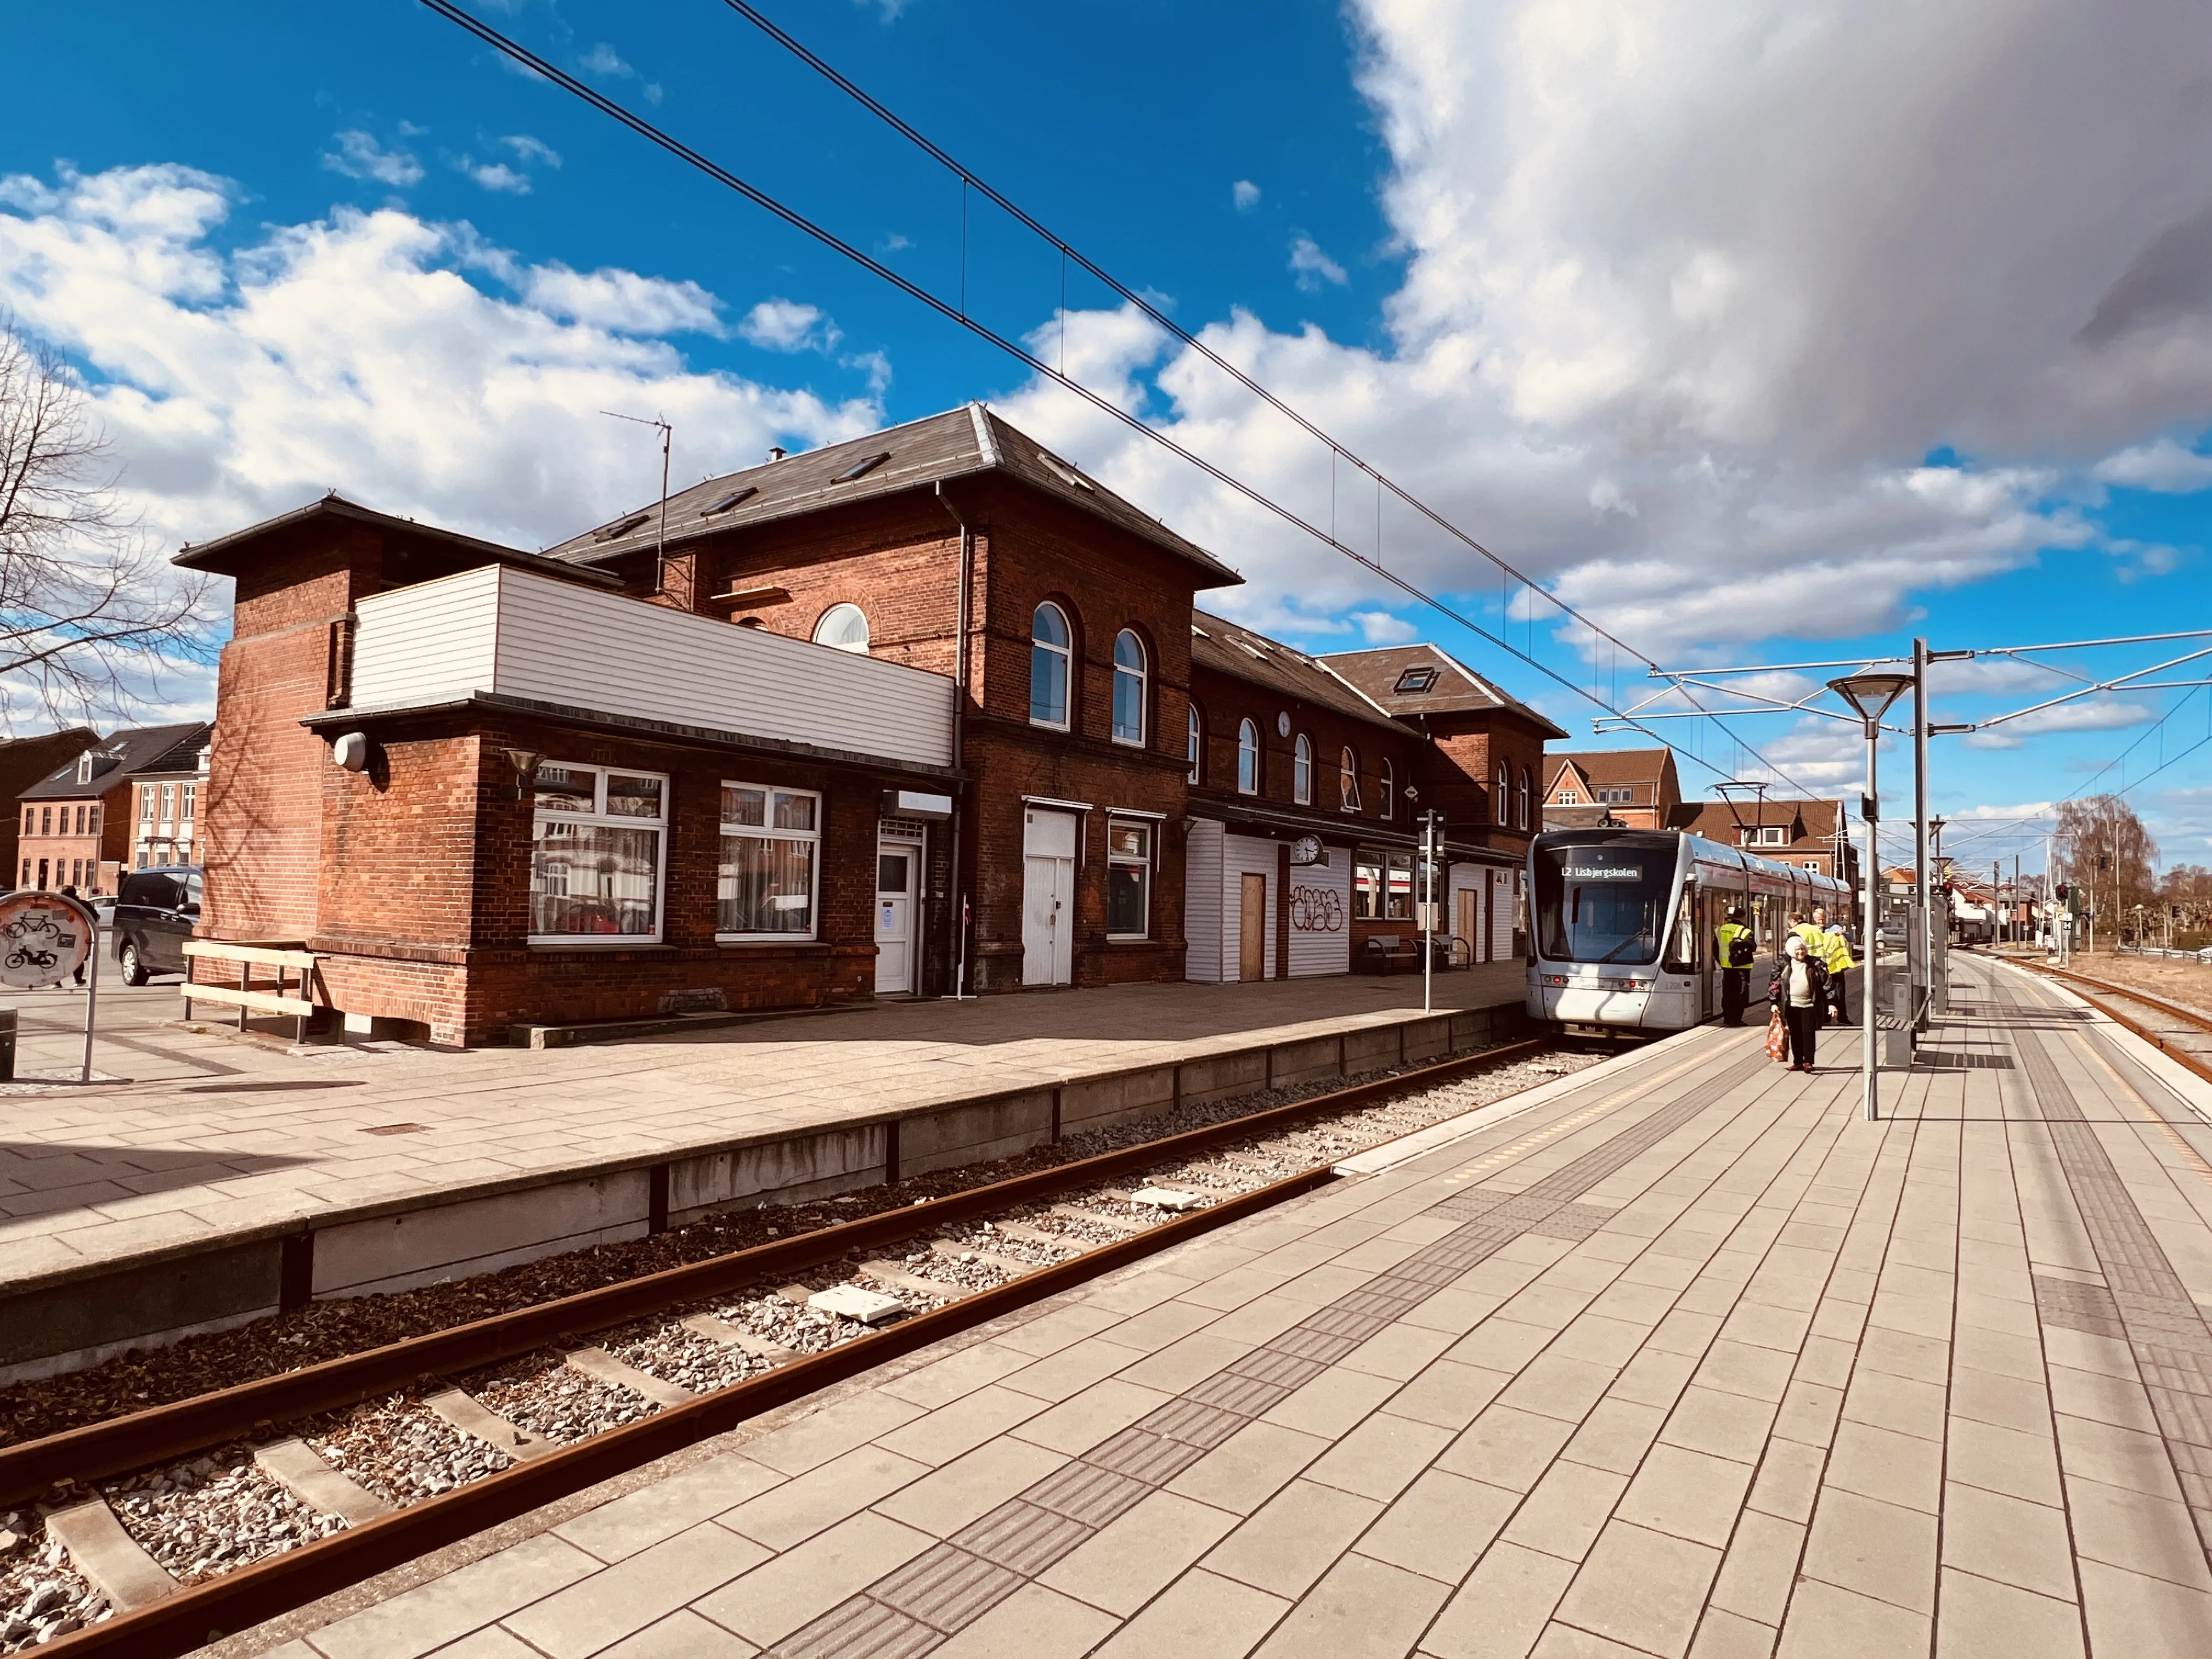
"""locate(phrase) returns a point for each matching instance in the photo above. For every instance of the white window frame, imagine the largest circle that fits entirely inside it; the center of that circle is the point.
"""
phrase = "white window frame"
(1523, 824)
(1301, 771)
(146, 802)
(1141, 673)
(1065, 652)
(1503, 811)
(1347, 779)
(1147, 863)
(1248, 756)
(837, 613)
(1386, 787)
(599, 818)
(1774, 835)
(1197, 743)
(188, 796)
(768, 831)
(1569, 798)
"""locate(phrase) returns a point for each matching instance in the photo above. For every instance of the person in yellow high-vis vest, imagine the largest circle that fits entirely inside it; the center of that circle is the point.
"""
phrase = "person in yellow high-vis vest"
(1733, 945)
(1835, 949)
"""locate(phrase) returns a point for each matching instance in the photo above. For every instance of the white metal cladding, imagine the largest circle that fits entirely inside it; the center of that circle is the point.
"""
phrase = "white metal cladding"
(1321, 916)
(428, 643)
(520, 634)
(1244, 855)
(1467, 878)
(1500, 905)
(1201, 901)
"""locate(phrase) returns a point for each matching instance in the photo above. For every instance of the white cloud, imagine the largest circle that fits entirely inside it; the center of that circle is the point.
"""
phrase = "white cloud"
(532, 150)
(787, 326)
(1245, 194)
(604, 61)
(496, 176)
(1380, 627)
(358, 155)
(889, 10)
(1312, 266)
(2160, 464)
(404, 362)
(622, 301)
(2098, 713)
(1737, 265)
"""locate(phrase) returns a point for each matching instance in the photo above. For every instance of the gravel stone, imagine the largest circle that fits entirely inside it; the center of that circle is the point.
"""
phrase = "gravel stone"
(41, 1596)
(551, 1399)
(404, 1452)
(218, 1511)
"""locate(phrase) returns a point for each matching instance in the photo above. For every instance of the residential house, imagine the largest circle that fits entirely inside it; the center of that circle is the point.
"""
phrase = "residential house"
(1811, 833)
(74, 827)
(1636, 788)
(165, 803)
(24, 761)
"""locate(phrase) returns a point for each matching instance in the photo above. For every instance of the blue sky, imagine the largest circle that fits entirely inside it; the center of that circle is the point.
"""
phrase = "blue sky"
(1760, 337)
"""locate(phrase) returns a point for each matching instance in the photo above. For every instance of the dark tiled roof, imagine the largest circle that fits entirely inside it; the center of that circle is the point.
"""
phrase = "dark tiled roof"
(180, 757)
(959, 443)
(1815, 820)
(1221, 645)
(448, 549)
(1457, 688)
(1616, 766)
(120, 755)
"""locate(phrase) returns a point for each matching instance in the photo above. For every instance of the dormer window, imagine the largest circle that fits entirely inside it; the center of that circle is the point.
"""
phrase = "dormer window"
(84, 767)
(1422, 677)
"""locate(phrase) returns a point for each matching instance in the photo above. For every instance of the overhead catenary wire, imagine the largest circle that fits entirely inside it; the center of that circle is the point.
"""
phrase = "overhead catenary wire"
(653, 134)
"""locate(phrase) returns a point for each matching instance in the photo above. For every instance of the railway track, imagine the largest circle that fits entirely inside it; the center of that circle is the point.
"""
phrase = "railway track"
(152, 1533)
(2170, 1017)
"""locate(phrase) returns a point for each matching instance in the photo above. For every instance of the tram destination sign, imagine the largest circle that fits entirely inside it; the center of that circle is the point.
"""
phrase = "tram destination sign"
(1604, 871)
(43, 939)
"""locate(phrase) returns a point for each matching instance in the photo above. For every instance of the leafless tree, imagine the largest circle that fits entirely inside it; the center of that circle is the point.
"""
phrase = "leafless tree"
(90, 615)
(2109, 852)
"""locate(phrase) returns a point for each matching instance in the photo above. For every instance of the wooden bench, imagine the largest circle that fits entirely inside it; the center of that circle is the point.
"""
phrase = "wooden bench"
(285, 957)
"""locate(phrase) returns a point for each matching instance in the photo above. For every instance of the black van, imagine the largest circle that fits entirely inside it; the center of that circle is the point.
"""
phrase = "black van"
(155, 915)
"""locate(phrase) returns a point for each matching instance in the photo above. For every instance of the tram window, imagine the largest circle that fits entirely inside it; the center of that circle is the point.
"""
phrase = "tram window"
(1602, 903)
(1683, 951)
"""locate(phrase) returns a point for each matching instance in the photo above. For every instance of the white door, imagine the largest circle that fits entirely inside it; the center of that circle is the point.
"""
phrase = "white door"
(895, 873)
(1048, 897)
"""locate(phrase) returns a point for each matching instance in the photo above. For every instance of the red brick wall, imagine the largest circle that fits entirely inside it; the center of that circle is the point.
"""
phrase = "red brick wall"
(1224, 701)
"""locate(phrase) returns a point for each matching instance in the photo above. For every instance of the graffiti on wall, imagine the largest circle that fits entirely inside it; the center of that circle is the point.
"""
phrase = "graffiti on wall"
(1316, 910)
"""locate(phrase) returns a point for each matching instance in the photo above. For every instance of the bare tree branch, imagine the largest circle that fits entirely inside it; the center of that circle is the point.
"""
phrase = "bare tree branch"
(90, 615)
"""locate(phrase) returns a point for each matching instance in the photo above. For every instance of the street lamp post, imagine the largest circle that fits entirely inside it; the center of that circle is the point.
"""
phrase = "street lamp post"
(1870, 696)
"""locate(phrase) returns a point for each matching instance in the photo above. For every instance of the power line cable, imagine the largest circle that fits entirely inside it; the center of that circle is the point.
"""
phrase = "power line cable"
(956, 314)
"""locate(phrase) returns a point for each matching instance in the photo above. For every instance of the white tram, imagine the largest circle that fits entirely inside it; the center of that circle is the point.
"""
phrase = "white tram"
(1622, 923)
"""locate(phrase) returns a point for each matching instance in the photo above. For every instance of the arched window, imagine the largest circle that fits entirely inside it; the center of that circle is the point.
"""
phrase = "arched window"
(1524, 798)
(1247, 758)
(844, 628)
(1386, 787)
(1502, 809)
(1197, 743)
(1301, 771)
(1048, 657)
(1347, 780)
(1128, 689)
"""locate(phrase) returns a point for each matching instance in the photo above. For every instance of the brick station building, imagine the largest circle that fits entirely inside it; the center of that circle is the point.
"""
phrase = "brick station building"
(925, 711)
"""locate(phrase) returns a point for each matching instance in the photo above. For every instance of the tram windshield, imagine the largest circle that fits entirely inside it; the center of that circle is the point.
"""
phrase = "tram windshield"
(1606, 902)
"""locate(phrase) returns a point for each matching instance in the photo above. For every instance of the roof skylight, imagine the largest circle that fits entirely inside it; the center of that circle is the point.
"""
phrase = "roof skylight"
(730, 501)
(620, 528)
(1421, 676)
(861, 468)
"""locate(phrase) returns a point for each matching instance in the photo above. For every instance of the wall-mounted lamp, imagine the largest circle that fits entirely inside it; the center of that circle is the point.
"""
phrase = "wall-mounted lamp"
(526, 762)
(351, 751)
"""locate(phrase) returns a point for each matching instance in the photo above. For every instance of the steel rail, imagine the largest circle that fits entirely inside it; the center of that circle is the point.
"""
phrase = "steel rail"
(2186, 1057)
(118, 1445)
(278, 1585)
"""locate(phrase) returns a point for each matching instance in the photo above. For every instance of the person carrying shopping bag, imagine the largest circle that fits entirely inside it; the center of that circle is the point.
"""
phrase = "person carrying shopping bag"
(1799, 994)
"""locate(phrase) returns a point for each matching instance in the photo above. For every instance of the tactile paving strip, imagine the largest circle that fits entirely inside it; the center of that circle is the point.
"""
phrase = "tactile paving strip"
(953, 1584)
(2156, 1316)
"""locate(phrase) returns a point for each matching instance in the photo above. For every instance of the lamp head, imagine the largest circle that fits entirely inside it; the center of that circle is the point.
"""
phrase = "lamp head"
(1871, 694)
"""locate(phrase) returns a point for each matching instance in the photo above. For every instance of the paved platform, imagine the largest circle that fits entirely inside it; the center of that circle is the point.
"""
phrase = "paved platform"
(1685, 1359)
(395, 1165)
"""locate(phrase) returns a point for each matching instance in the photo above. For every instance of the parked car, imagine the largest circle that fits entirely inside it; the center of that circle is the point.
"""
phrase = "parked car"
(155, 913)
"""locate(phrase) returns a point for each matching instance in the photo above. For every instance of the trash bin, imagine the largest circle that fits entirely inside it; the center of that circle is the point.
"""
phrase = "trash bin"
(7, 1045)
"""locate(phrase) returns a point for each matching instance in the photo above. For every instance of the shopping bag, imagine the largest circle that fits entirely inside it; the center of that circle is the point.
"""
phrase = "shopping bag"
(1778, 1036)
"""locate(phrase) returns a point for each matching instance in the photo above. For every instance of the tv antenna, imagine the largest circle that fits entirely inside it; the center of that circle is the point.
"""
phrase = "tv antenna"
(667, 436)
